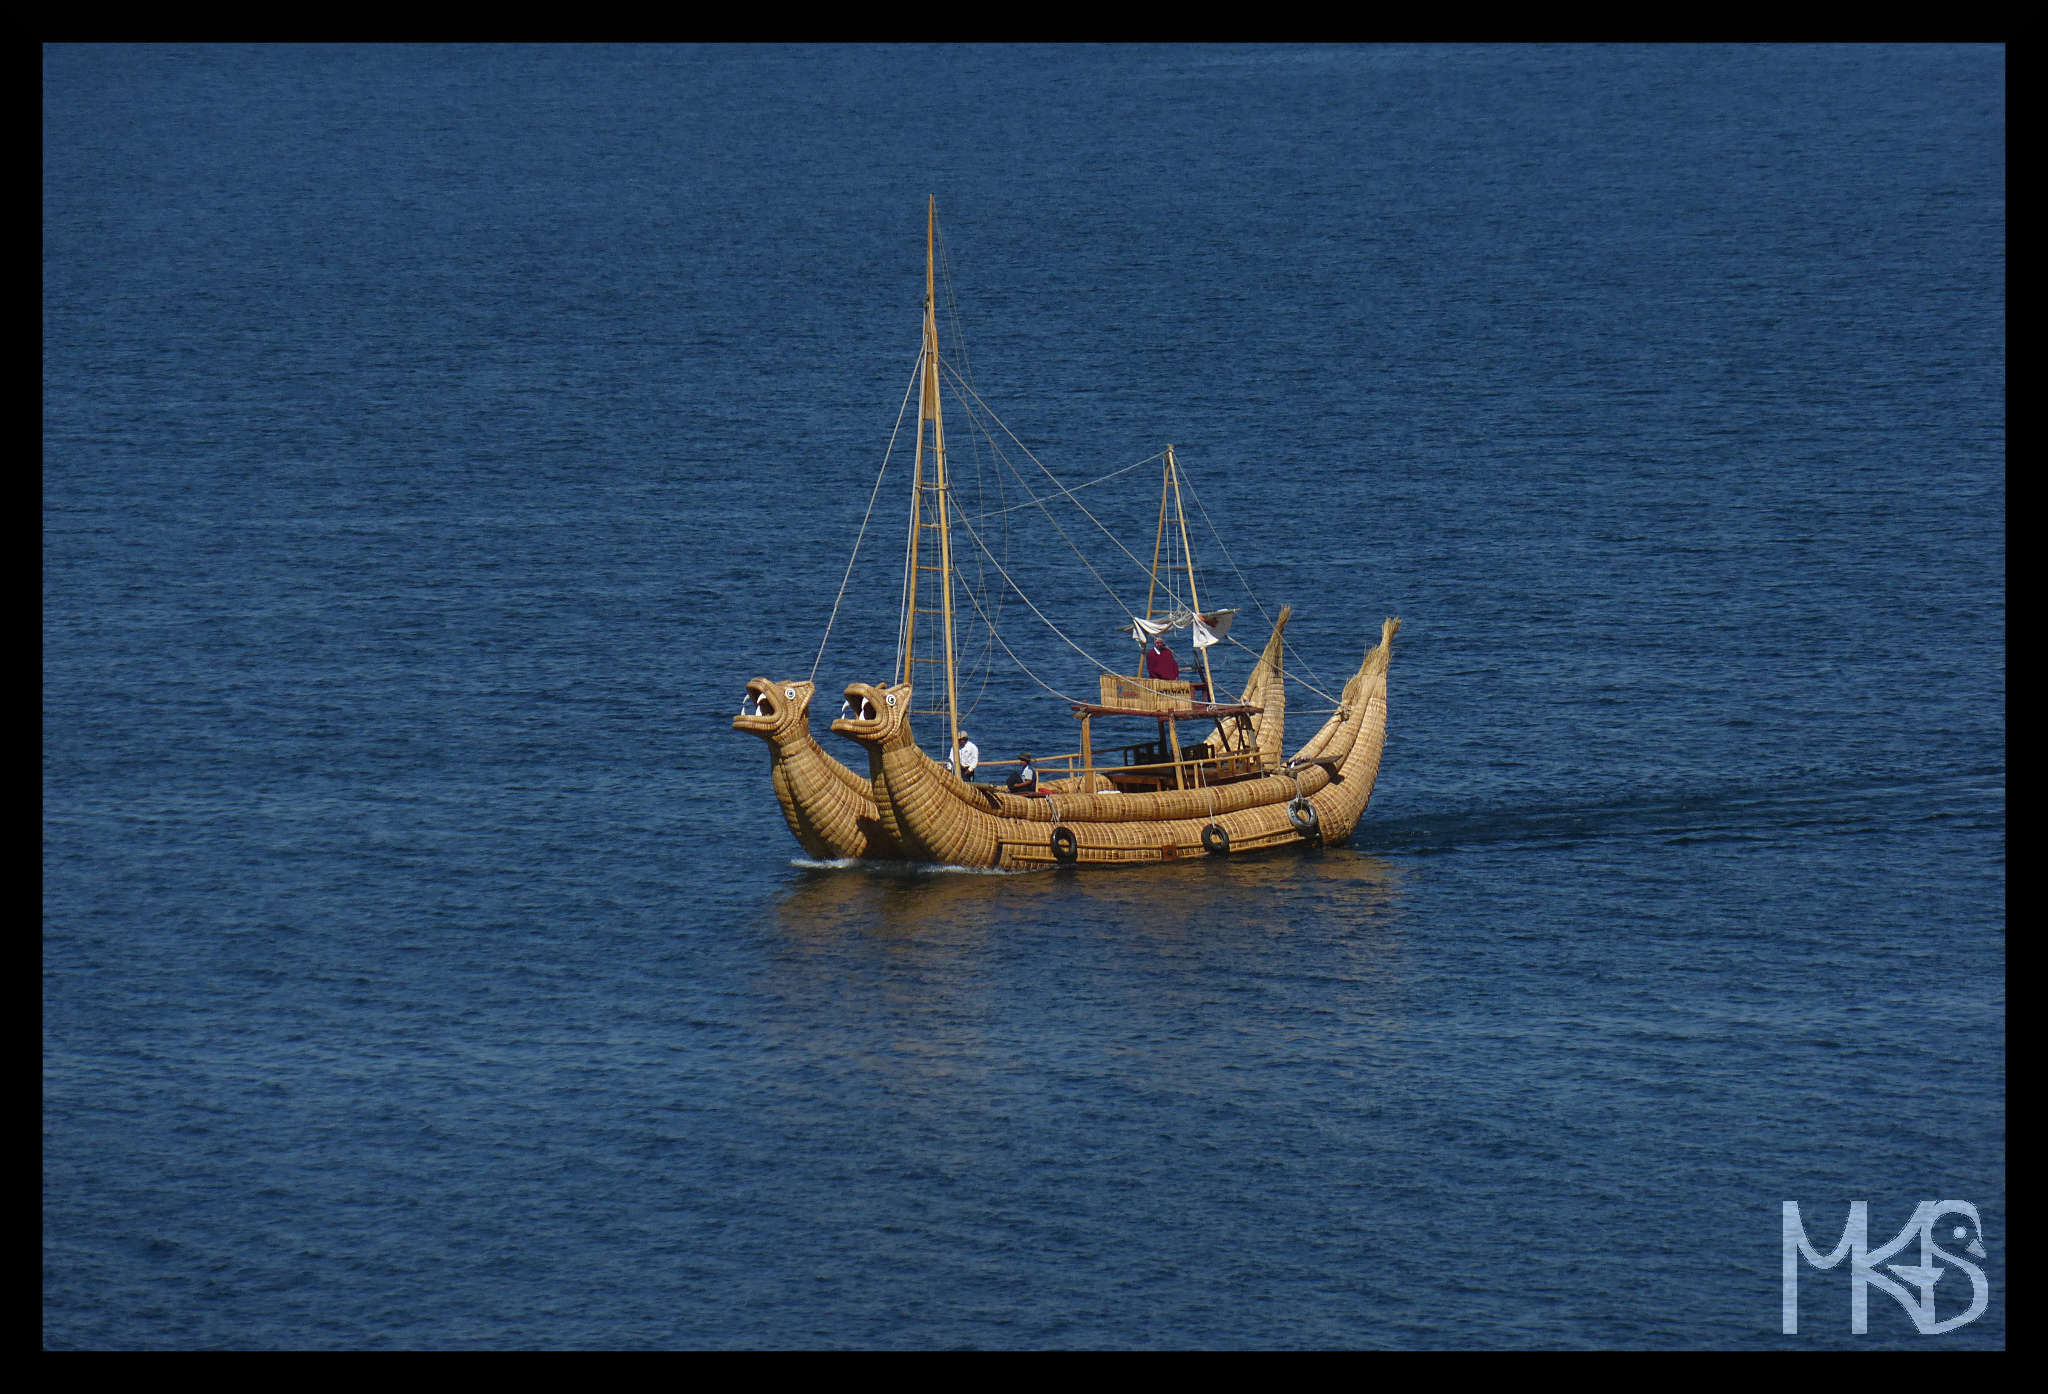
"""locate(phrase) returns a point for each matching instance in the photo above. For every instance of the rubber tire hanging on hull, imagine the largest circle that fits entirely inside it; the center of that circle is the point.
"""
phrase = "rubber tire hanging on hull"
(1306, 820)
(1216, 838)
(1066, 849)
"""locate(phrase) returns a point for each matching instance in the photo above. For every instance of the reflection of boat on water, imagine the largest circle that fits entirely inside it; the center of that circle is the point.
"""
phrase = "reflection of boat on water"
(1211, 781)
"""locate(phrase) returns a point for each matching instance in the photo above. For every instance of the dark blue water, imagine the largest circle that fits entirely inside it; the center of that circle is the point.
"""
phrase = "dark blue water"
(436, 440)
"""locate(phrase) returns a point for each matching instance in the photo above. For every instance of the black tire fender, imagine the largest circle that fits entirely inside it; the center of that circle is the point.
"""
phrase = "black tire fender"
(1306, 820)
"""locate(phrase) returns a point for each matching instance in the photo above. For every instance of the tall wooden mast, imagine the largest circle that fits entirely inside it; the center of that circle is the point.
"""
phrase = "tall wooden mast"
(929, 503)
(1159, 538)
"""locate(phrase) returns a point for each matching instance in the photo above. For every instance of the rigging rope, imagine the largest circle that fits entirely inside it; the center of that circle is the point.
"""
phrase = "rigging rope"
(1115, 541)
(960, 355)
(1013, 656)
(1070, 492)
(1285, 675)
(967, 391)
(1036, 611)
(971, 400)
(1254, 598)
(873, 494)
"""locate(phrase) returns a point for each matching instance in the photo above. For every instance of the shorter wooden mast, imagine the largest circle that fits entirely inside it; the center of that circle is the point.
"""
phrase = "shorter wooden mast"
(1169, 487)
(1188, 555)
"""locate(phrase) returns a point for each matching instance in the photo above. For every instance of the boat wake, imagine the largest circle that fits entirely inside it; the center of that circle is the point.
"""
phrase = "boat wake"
(902, 871)
(1746, 814)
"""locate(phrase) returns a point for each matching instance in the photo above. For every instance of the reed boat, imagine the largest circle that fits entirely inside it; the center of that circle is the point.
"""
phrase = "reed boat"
(832, 811)
(1209, 781)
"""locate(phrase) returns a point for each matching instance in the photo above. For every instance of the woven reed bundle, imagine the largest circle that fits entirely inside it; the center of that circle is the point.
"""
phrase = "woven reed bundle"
(1267, 687)
(831, 809)
(936, 818)
(1079, 784)
(879, 720)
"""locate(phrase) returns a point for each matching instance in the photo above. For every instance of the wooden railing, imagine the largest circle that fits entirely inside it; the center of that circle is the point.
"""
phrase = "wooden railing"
(1140, 768)
(1165, 763)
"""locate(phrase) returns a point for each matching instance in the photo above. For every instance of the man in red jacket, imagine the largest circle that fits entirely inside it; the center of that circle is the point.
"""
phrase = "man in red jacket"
(1160, 662)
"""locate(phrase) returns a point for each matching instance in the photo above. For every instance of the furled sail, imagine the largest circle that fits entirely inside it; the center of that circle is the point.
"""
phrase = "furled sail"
(1210, 626)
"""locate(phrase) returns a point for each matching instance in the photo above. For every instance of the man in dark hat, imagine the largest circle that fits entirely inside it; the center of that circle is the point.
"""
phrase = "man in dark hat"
(1025, 781)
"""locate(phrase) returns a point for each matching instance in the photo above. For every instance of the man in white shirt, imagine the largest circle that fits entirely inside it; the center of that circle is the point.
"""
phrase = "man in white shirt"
(968, 759)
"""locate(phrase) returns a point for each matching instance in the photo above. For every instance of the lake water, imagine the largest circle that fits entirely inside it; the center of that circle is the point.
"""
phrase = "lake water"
(435, 440)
